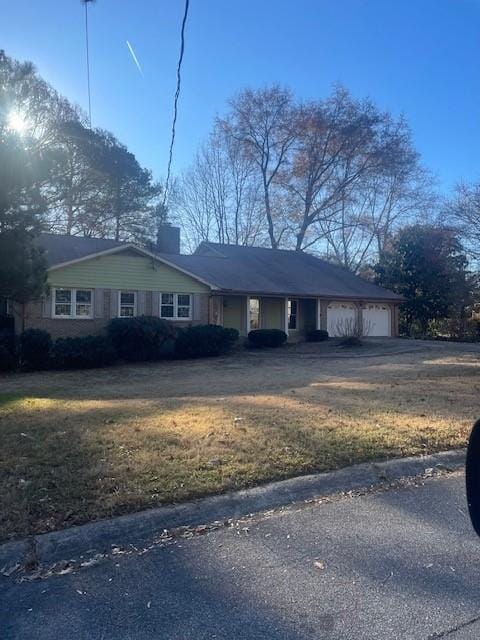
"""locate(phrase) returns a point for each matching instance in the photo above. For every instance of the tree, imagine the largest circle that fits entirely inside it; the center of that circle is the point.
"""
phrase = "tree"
(129, 195)
(23, 273)
(352, 167)
(428, 266)
(262, 122)
(335, 175)
(219, 197)
(88, 182)
(463, 211)
(24, 167)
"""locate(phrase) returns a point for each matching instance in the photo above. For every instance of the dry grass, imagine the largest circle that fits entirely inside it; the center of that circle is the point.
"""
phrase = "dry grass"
(84, 445)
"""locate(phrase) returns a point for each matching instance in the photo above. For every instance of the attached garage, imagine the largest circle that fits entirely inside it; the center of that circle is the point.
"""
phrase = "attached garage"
(341, 318)
(377, 320)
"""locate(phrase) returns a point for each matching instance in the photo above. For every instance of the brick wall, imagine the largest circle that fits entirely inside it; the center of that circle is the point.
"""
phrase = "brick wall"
(38, 315)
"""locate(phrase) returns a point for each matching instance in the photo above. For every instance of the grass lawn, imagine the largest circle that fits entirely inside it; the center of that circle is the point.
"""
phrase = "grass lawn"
(78, 446)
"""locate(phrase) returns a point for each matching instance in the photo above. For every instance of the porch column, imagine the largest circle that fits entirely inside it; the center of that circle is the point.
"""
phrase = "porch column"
(285, 323)
(247, 315)
(318, 314)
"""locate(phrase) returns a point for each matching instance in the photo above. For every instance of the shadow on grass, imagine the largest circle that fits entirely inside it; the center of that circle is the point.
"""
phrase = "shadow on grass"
(83, 445)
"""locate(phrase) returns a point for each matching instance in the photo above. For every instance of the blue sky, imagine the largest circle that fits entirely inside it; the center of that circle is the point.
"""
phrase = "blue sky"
(419, 57)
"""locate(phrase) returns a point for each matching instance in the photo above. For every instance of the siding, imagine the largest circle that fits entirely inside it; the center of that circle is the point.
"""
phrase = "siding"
(272, 313)
(125, 271)
(233, 313)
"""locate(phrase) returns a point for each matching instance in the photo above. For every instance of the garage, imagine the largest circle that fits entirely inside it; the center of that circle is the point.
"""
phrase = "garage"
(341, 318)
(376, 320)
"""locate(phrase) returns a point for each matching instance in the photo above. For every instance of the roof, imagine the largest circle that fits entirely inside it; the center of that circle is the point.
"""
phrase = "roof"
(256, 270)
(61, 248)
(236, 269)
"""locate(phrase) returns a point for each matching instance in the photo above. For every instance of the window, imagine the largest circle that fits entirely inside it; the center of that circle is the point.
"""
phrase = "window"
(127, 304)
(292, 314)
(254, 313)
(73, 303)
(176, 306)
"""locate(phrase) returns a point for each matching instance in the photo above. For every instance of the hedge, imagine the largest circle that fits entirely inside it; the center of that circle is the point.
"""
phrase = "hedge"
(203, 341)
(141, 338)
(35, 348)
(317, 335)
(260, 338)
(83, 352)
(8, 350)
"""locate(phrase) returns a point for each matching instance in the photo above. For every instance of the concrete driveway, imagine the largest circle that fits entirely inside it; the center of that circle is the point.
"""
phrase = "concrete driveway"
(391, 564)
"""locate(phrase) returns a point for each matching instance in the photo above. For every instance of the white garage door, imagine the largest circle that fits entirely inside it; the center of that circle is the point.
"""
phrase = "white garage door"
(341, 318)
(376, 320)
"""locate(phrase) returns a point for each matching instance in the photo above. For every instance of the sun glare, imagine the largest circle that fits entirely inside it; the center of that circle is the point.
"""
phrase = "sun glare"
(17, 122)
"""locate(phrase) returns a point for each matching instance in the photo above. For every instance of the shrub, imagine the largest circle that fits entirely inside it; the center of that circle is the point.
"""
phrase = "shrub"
(142, 338)
(8, 350)
(260, 338)
(35, 348)
(350, 341)
(317, 335)
(83, 352)
(454, 329)
(203, 341)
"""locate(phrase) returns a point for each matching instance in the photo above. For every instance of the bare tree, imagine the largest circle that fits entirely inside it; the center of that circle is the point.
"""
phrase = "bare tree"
(370, 215)
(345, 148)
(219, 197)
(263, 123)
(463, 212)
(336, 176)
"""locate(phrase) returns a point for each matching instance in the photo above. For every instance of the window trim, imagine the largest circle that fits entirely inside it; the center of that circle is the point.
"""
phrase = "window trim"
(175, 316)
(135, 305)
(73, 303)
(289, 304)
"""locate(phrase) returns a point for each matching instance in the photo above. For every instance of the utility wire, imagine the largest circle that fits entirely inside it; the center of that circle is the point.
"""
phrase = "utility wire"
(175, 101)
(85, 2)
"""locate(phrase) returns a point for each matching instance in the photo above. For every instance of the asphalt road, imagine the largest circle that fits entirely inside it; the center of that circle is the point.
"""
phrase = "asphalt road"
(395, 564)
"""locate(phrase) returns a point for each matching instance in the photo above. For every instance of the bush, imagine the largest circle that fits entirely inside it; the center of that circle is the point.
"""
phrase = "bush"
(203, 341)
(317, 335)
(454, 329)
(35, 348)
(84, 352)
(142, 338)
(260, 338)
(350, 341)
(8, 350)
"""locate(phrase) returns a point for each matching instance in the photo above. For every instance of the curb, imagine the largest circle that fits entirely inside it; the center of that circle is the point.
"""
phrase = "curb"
(138, 528)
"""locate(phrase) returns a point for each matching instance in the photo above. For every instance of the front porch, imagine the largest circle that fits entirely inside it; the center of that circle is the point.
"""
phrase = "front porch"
(245, 313)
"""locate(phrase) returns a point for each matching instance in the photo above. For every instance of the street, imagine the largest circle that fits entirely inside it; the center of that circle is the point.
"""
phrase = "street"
(395, 563)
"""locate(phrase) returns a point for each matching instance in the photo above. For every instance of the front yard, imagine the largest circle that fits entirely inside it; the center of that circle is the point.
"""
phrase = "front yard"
(82, 445)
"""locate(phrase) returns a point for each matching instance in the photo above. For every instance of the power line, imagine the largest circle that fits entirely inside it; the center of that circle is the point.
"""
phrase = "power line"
(85, 3)
(175, 101)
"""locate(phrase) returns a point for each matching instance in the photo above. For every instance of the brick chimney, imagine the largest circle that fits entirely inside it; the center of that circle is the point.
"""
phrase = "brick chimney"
(168, 239)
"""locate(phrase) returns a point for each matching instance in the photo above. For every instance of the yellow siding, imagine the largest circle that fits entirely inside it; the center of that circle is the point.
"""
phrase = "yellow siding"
(232, 313)
(125, 271)
(272, 313)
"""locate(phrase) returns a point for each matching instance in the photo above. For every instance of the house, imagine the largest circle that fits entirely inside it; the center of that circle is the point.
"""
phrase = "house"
(93, 280)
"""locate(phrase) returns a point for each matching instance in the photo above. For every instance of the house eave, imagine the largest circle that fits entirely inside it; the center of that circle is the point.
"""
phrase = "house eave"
(293, 294)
